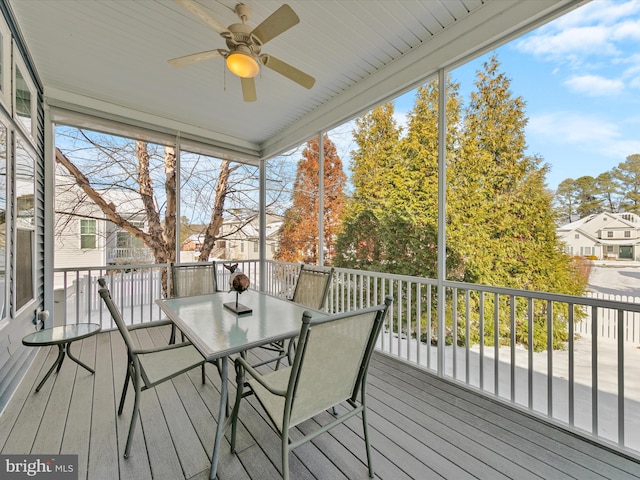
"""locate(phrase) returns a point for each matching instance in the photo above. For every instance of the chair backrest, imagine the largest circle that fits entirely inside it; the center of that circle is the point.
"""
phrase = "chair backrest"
(312, 287)
(331, 361)
(115, 314)
(193, 279)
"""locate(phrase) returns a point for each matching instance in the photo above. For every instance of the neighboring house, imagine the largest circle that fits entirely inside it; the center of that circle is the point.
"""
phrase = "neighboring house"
(241, 239)
(603, 235)
(87, 238)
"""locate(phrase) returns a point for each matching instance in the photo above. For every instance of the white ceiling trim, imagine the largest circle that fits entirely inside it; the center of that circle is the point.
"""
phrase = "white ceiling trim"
(64, 103)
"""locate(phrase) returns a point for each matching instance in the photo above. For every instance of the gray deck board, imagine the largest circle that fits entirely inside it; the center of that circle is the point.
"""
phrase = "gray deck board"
(422, 427)
(76, 435)
(103, 441)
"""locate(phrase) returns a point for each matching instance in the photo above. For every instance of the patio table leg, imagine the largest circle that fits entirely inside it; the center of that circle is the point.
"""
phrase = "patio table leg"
(76, 360)
(222, 420)
(56, 365)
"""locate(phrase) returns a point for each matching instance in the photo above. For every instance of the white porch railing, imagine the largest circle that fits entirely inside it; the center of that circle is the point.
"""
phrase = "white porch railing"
(121, 255)
(592, 385)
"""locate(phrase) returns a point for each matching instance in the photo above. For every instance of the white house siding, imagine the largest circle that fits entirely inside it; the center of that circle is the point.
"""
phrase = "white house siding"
(67, 248)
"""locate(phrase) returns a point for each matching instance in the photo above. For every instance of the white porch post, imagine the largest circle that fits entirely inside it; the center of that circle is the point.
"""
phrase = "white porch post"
(263, 224)
(442, 193)
(321, 198)
(178, 202)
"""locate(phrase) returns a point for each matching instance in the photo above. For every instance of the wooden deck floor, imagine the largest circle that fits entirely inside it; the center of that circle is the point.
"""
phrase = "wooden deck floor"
(422, 427)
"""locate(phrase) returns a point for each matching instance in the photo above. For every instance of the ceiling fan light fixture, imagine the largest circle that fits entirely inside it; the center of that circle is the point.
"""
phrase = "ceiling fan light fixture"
(242, 65)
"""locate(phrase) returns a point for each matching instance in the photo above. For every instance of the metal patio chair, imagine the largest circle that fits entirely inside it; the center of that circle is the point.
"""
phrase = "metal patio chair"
(148, 367)
(192, 279)
(330, 367)
(312, 290)
(312, 286)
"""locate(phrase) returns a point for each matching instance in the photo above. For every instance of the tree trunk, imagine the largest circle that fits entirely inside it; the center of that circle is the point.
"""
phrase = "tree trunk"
(213, 229)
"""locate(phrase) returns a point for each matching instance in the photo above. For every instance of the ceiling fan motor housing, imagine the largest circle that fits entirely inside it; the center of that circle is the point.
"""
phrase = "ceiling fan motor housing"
(242, 40)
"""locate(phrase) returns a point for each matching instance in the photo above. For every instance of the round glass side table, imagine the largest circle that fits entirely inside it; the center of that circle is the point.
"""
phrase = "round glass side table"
(62, 336)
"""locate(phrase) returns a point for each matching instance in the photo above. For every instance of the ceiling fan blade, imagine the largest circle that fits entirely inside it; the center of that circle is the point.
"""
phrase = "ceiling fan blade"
(279, 21)
(203, 15)
(248, 89)
(292, 73)
(196, 58)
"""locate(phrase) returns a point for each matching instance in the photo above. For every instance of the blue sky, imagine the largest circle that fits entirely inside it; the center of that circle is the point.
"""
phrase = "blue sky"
(580, 78)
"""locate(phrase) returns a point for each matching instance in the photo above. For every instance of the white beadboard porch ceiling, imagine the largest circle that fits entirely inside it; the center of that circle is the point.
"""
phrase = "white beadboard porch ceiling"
(109, 57)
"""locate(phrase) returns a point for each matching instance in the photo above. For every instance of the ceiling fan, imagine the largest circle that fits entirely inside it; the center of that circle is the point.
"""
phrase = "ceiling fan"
(243, 57)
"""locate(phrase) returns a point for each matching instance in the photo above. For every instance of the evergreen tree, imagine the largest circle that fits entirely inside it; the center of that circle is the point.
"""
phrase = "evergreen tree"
(417, 201)
(609, 189)
(299, 232)
(502, 218)
(362, 241)
(566, 198)
(588, 196)
(628, 174)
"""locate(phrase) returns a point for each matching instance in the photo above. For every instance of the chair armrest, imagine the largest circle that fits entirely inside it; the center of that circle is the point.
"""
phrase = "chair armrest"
(141, 351)
(258, 377)
(155, 323)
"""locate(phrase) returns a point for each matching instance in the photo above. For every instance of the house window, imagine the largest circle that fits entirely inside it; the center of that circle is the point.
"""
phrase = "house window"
(610, 234)
(24, 100)
(627, 234)
(25, 224)
(609, 248)
(577, 236)
(5, 64)
(88, 234)
(255, 247)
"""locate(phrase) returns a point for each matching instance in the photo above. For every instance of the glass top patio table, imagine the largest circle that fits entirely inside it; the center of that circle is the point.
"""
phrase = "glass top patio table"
(61, 336)
(218, 332)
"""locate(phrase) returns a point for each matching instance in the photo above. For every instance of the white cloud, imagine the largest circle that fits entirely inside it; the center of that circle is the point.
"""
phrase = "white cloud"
(579, 41)
(626, 30)
(594, 29)
(586, 133)
(597, 11)
(575, 128)
(594, 85)
(593, 47)
(625, 148)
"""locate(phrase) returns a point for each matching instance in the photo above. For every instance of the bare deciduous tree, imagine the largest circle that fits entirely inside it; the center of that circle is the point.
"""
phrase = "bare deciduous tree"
(105, 166)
